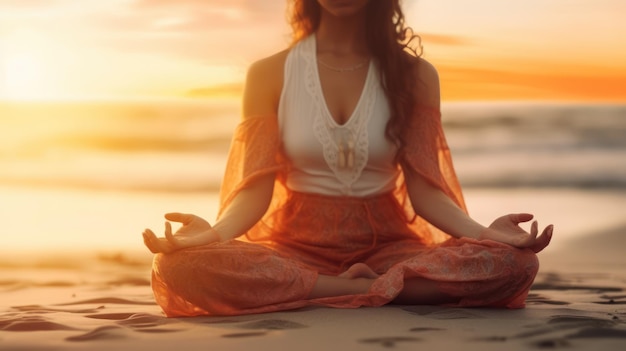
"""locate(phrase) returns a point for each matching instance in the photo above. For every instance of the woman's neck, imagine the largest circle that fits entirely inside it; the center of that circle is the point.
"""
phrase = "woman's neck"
(342, 36)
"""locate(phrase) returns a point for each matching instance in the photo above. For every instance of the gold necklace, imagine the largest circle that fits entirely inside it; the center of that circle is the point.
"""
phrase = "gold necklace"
(342, 69)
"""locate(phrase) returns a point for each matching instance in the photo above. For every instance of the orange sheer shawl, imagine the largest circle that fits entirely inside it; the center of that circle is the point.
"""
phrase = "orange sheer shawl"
(256, 151)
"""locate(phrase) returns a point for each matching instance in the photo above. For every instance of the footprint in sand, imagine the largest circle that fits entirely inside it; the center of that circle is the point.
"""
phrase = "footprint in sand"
(424, 329)
(585, 333)
(111, 316)
(585, 327)
(573, 321)
(566, 322)
(613, 297)
(108, 300)
(107, 332)
(390, 341)
(441, 313)
(264, 326)
(144, 320)
(132, 319)
(537, 299)
(491, 339)
(588, 333)
(612, 300)
(244, 335)
(43, 309)
(272, 324)
(141, 322)
(551, 344)
(578, 287)
(31, 323)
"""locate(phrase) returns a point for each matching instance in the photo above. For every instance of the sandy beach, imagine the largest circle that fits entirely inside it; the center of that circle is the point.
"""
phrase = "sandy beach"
(102, 301)
(565, 310)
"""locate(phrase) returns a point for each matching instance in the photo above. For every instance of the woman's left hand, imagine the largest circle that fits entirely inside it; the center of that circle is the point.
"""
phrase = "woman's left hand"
(506, 230)
(194, 232)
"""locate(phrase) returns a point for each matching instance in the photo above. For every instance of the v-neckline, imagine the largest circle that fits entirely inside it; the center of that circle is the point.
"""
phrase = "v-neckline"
(318, 80)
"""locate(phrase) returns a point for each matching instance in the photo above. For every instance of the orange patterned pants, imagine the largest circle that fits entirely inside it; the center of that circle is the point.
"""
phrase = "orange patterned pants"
(315, 234)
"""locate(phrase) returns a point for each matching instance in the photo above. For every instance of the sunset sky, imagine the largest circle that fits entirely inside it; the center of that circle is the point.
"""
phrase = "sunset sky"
(484, 49)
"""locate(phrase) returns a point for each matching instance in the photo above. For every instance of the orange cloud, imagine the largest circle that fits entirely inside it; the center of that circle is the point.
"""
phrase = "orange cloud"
(221, 90)
(465, 83)
(442, 39)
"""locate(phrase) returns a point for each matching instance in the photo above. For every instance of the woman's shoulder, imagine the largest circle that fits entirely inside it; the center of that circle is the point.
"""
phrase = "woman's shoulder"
(264, 82)
(269, 67)
(426, 79)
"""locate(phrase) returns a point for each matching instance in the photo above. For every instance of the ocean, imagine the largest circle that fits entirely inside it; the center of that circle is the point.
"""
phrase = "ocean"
(93, 174)
(182, 145)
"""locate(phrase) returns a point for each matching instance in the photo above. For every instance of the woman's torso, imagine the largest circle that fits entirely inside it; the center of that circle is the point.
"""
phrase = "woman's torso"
(351, 159)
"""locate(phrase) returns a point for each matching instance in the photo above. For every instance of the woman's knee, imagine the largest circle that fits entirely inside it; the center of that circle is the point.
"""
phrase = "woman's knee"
(525, 265)
(169, 267)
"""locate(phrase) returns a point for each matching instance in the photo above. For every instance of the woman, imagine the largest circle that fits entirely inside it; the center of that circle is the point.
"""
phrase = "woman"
(339, 190)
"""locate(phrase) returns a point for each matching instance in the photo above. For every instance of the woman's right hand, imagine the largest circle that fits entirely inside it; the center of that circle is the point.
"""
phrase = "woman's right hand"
(506, 230)
(194, 232)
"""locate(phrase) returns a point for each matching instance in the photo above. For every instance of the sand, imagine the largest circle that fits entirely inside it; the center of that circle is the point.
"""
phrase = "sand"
(102, 301)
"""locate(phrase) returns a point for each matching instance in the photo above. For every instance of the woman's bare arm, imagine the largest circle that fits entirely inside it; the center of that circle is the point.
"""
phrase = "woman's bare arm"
(261, 96)
(437, 208)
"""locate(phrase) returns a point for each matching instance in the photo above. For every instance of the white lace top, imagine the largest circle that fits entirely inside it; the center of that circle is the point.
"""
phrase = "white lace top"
(353, 159)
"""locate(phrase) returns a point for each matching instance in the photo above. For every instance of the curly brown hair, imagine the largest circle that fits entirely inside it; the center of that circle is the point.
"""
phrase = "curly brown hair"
(391, 44)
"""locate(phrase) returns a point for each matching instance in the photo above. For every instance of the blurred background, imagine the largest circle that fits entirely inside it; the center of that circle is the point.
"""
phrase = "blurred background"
(115, 112)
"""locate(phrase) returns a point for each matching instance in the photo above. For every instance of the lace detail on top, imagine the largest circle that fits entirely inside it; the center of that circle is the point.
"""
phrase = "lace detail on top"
(332, 136)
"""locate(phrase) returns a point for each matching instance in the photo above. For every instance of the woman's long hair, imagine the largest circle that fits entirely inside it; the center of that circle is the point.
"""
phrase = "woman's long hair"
(390, 42)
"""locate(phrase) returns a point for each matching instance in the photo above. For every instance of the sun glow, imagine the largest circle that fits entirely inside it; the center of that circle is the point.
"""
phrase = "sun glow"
(23, 77)
(70, 49)
(25, 66)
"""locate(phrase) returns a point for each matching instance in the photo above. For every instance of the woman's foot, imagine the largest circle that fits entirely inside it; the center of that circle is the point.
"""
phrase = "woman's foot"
(359, 270)
(355, 281)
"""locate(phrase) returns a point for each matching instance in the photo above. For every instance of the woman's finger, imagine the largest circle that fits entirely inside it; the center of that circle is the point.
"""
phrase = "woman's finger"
(149, 241)
(156, 245)
(543, 240)
(528, 239)
(534, 229)
(148, 235)
(146, 241)
(183, 218)
(518, 218)
(169, 236)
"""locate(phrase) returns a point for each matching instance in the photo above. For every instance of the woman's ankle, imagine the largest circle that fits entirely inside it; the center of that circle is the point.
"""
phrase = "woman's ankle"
(363, 285)
(330, 286)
